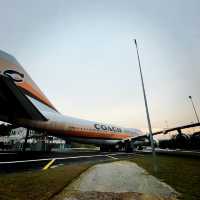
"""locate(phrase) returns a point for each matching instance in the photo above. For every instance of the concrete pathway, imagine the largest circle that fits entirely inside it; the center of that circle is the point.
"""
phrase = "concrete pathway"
(121, 180)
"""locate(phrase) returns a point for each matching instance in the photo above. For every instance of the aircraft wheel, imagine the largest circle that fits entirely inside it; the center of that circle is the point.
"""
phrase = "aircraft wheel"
(128, 147)
(104, 148)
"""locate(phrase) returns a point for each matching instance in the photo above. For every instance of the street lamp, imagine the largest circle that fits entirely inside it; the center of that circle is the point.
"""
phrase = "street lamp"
(166, 123)
(195, 112)
(145, 101)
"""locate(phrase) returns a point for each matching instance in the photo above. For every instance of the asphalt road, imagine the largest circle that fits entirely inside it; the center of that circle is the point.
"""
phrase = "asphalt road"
(18, 161)
(29, 161)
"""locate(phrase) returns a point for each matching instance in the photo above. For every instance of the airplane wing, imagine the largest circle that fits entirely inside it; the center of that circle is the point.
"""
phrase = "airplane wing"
(165, 131)
(14, 103)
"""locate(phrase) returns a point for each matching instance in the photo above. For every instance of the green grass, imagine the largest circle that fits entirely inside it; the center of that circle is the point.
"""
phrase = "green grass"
(183, 174)
(39, 184)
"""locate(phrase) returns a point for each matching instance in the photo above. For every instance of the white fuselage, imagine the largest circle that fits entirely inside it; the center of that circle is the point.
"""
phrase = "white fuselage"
(80, 130)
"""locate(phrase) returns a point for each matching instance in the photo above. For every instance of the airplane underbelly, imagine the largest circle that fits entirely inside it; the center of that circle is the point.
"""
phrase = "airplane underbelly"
(94, 141)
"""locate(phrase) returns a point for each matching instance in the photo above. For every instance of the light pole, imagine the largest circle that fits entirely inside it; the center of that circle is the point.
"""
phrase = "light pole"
(195, 112)
(145, 101)
(166, 123)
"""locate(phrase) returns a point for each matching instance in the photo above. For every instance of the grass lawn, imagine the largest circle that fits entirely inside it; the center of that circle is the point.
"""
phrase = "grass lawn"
(182, 173)
(38, 184)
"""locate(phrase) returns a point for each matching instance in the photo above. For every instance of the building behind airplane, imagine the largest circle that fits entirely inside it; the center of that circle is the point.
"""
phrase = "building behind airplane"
(23, 104)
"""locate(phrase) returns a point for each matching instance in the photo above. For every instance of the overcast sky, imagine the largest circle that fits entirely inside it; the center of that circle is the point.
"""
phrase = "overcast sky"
(81, 54)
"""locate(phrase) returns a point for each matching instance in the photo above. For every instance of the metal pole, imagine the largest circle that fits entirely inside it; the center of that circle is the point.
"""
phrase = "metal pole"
(25, 140)
(145, 101)
(195, 112)
(166, 122)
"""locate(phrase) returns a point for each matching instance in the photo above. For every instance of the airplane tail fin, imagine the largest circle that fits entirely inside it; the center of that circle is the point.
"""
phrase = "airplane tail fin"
(11, 68)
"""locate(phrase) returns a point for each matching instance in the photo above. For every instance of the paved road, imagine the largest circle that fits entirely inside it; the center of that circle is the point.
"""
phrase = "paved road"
(16, 162)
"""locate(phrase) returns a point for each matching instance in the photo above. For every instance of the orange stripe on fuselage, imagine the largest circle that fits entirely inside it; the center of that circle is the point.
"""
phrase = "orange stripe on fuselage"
(96, 134)
(37, 94)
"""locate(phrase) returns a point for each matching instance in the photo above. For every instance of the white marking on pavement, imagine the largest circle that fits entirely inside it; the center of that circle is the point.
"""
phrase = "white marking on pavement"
(54, 166)
(7, 153)
(65, 158)
(112, 157)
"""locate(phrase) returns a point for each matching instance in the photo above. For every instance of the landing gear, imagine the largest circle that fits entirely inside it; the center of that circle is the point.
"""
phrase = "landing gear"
(108, 148)
(103, 148)
(129, 148)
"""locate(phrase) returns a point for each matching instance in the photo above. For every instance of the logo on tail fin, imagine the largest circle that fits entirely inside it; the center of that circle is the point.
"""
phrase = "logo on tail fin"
(14, 75)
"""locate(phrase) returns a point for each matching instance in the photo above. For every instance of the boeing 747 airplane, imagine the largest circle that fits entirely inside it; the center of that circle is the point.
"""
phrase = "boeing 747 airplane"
(23, 104)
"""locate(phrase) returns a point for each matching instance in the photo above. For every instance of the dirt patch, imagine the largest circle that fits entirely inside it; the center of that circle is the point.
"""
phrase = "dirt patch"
(75, 195)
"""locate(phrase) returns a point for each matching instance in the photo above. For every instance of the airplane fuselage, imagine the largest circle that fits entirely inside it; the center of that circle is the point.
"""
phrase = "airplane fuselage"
(80, 130)
(24, 104)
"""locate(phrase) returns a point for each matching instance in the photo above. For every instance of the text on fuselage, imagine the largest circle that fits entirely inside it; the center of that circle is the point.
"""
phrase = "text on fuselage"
(107, 128)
